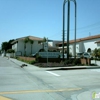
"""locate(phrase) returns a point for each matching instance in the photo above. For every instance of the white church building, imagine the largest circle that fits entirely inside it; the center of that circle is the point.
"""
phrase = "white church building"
(82, 44)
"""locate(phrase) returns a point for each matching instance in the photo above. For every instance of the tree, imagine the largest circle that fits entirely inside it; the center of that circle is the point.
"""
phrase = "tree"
(25, 41)
(6, 45)
(44, 41)
(95, 52)
(99, 53)
(10, 51)
(9, 43)
(31, 42)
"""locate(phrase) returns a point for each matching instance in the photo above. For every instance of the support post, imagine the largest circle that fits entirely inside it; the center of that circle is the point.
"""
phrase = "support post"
(68, 28)
(63, 26)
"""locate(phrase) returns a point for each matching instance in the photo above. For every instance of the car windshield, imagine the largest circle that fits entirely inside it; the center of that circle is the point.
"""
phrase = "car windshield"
(86, 54)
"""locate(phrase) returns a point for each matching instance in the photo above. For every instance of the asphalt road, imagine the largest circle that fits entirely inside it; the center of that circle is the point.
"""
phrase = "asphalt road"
(33, 83)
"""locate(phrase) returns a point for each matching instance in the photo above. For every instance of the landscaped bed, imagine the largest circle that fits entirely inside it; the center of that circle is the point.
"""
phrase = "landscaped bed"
(51, 63)
(55, 63)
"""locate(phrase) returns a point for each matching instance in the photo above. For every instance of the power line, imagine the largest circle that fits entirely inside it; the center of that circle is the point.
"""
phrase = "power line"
(85, 29)
(88, 26)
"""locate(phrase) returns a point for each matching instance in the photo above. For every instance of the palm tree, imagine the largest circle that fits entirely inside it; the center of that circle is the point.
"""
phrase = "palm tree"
(44, 41)
(31, 42)
(25, 41)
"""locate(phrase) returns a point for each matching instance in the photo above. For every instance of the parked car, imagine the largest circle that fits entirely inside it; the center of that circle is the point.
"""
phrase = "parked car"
(79, 55)
(86, 55)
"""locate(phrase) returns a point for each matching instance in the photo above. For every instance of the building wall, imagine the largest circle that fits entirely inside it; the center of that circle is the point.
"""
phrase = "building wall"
(20, 47)
(28, 49)
(14, 47)
(53, 43)
(80, 46)
(36, 47)
(91, 44)
(71, 49)
(84, 45)
(77, 47)
(50, 43)
(98, 45)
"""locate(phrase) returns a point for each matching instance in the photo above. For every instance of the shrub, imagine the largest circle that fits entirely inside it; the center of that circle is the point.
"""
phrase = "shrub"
(32, 62)
(70, 61)
(16, 57)
(10, 51)
(76, 62)
(37, 57)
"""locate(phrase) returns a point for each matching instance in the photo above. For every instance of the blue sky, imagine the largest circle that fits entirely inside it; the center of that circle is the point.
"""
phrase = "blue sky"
(43, 18)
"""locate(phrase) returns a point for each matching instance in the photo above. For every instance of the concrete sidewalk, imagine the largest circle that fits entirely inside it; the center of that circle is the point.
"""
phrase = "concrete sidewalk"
(19, 63)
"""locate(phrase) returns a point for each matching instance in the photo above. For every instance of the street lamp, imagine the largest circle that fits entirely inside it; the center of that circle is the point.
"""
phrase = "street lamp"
(68, 27)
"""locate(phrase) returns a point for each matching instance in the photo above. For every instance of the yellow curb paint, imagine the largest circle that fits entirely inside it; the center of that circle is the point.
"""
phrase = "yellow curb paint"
(4, 98)
(40, 91)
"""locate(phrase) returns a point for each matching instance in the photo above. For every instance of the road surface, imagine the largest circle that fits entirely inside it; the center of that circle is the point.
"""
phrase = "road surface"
(33, 83)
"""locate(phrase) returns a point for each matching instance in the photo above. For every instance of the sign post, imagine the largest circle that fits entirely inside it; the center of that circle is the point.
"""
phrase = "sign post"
(46, 46)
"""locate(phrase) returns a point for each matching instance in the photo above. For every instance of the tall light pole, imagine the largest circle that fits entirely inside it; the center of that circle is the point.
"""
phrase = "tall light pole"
(68, 27)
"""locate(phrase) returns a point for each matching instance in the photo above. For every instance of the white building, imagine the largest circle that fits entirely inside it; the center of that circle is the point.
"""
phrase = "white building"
(21, 48)
(82, 44)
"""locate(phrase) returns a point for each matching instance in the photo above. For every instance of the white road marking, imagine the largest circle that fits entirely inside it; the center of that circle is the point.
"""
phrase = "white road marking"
(52, 73)
(97, 70)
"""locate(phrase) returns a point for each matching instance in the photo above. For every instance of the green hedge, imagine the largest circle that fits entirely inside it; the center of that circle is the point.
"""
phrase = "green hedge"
(10, 51)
